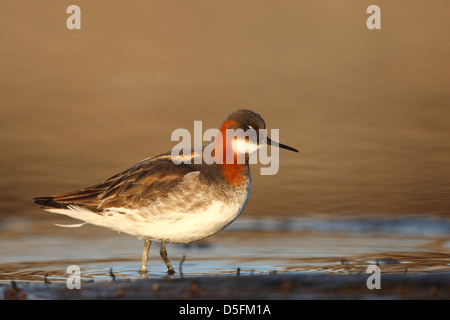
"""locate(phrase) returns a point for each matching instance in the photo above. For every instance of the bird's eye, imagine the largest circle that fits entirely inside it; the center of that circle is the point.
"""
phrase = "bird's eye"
(247, 128)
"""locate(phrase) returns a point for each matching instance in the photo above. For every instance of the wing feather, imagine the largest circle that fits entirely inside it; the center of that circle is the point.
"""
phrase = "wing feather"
(138, 186)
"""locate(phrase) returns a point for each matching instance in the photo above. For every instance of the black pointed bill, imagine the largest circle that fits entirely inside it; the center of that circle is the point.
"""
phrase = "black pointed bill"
(280, 145)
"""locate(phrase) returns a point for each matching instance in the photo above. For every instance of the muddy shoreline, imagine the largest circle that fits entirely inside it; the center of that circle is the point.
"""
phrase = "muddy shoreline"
(257, 287)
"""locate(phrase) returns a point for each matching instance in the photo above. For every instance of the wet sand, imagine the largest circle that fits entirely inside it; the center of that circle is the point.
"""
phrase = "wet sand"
(258, 287)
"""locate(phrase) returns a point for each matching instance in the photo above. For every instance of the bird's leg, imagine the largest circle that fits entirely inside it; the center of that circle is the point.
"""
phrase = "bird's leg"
(163, 254)
(147, 245)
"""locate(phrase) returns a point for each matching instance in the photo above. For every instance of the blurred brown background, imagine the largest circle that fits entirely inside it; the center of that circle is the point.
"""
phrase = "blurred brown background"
(368, 109)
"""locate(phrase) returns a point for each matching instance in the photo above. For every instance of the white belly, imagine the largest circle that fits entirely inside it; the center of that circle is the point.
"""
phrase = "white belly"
(191, 212)
(183, 227)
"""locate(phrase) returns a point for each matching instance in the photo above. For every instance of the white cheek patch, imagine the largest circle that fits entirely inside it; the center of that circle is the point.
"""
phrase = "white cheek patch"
(241, 146)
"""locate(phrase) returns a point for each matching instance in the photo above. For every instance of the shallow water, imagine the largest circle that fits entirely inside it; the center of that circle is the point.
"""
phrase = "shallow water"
(368, 110)
(255, 246)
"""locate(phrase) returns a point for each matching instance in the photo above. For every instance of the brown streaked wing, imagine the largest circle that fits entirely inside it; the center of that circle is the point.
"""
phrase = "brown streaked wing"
(135, 187)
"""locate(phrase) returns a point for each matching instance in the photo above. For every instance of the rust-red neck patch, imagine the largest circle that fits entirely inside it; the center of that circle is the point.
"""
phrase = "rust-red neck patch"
(233, 172)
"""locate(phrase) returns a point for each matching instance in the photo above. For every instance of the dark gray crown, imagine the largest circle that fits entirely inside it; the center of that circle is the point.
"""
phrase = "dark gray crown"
(247, 118)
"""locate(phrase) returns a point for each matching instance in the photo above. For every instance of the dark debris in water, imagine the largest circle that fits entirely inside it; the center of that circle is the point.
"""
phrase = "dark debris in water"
(112, 274)
(14, 292)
